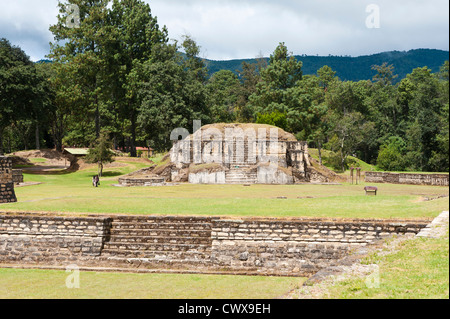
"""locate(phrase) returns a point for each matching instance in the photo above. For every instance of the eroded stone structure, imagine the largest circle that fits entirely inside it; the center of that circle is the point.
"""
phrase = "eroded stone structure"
(241, 154)
(7, 194)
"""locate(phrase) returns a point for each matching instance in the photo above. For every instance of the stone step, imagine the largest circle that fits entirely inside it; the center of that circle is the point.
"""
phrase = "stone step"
(238, 174)
(241, 182)
(160, 239)
(237, 166)
(161, 226)
(157, 263)
(240, 179)
(125, 255)
(161, 219)
(160, 232)
(161, 247)
(229, 178)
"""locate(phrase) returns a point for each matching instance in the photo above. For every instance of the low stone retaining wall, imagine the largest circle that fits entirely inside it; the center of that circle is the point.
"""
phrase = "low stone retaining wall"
(297, 245)
(141, 181)
(252, 246)
(17, 176)
(407, 178)
(51, 240)
(7, 194)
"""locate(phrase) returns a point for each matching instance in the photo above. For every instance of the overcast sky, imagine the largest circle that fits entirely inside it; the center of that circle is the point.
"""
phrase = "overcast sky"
(232, 29)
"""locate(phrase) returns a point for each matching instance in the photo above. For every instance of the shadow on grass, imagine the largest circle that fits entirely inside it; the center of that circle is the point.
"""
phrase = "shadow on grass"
(49, 172)
(111, 174)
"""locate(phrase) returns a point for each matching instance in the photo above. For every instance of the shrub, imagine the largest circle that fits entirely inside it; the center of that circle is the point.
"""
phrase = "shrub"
(392, 155)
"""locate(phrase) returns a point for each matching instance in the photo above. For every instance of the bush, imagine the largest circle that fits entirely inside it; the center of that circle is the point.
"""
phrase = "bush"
(333, 160)
(275, 118)
(392, 155)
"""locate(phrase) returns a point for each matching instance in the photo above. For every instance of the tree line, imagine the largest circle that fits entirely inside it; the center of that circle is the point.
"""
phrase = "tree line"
(118, 75)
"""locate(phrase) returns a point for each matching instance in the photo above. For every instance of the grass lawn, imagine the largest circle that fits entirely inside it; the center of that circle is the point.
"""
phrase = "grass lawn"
(37, 160)
(418, 270)
(51, 284)
(313, 152)
(73, 193)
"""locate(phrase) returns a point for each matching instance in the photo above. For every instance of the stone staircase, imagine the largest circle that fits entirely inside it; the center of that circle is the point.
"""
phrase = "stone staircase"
(158, 242)
(240, 174)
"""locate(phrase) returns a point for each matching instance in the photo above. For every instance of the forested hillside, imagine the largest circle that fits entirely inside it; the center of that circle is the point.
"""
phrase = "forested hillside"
(354, 68)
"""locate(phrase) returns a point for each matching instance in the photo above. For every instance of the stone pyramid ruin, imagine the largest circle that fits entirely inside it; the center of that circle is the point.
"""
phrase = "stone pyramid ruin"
(235, 154)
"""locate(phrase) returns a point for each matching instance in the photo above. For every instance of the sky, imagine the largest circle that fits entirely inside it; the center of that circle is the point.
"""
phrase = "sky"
(235, 29)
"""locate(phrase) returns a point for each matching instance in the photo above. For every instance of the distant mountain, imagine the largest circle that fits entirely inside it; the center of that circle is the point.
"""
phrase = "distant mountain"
(355, 68)
(350, 68)
(44, 61)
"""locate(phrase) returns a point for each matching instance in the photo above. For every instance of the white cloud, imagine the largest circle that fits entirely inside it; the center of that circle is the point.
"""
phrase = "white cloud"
(25, 23)
(235, 29)
(228, 29)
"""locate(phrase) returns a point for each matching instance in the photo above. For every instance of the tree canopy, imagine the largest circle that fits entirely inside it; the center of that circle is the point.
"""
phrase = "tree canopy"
(118, 72)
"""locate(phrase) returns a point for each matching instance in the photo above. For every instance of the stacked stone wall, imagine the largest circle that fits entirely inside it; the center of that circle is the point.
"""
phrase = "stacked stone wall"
(17, 176)
(254, 246)
(407, 178)
(296, 246)
(51, 240)
(7, 194)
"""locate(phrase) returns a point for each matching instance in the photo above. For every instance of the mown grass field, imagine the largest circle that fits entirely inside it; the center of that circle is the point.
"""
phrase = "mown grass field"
(51, 284)
(73, 193)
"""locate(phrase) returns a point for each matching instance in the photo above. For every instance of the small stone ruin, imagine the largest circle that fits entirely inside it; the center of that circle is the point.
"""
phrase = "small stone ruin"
(7, 194)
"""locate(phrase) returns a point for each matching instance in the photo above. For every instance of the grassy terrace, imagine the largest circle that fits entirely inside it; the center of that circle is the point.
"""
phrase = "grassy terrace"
(51, 284)
(73, 193)
(419, 269)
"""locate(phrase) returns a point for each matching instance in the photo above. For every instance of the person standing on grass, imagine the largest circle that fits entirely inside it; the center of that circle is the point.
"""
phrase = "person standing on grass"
(95, 181)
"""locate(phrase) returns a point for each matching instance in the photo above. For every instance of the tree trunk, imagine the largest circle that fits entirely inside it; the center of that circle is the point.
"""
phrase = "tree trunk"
(38, 145)
(100, 169)
(342, 156)
(97, 119)
(133, 152)
(319, 148)
(58, 131)
(1, 141)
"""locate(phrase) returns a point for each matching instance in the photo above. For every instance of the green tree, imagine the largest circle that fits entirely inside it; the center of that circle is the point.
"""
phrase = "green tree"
(100, 152)
(384, 109)
(326, 77)
(420, 98)
(170, 93)
(273, 91)
(137, 38)
(222, 92)
(22, 95)
(392, 155)
(250, 76)
(439, 160)
(84, 47)
(348, 132)
(275, 118)
(284, 90)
